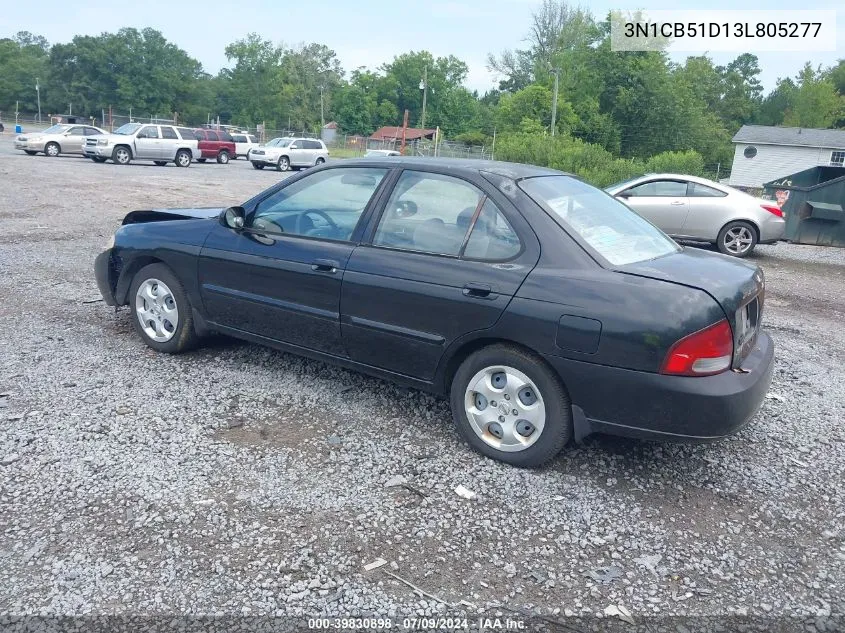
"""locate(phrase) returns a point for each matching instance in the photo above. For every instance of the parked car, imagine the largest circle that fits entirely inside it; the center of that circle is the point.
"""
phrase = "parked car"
(56, 139)
(696, 209)
(244, 142)
(216, 144)
(542, 307)
(285, 153)
(382, 152)
(160, 144)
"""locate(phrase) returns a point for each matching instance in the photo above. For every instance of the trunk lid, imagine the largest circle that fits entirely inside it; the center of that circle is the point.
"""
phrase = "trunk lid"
(737, 286)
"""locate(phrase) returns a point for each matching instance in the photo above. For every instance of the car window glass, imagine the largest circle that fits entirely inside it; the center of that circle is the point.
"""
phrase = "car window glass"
(76, 131)
(238, 138)
(427, 212)
(168, 132)
(148, 131)
(211, 136)
(186, 134)
(225, 136)
(492, 238)
(327, 204)
(659, 188)
(703, 191)
(90, 131)
(252, 139)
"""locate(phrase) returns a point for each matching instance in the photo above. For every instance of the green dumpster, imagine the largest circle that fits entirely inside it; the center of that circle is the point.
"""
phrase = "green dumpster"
(813, 204)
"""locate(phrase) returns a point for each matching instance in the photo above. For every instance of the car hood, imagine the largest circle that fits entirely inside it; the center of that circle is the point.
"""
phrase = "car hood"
(161, 215)
(125, 138)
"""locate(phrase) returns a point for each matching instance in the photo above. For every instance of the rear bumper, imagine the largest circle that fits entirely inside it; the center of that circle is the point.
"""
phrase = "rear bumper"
(105, 275)
(772, 230)
(654, 406)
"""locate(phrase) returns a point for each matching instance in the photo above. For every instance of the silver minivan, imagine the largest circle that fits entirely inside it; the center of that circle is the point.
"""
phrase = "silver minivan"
(285, 153)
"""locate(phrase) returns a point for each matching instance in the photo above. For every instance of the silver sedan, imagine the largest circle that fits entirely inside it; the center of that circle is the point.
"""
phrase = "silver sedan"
(699, 210)
(63, 138)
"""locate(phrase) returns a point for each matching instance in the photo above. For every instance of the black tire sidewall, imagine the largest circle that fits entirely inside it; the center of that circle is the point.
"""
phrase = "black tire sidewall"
(114, 156)
(47, 149)
(181, 152)
(558, 427)
(279, 164)
(223, 158)
(720, 240)
(184, 336)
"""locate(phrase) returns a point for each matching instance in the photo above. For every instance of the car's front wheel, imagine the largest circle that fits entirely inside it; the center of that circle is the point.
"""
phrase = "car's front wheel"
(223, 157)
(737, 239)
(121, 155)
(256, 165)
(183, 158)
(509, 405)
(161, 310)
(283, 164)
(52, 149)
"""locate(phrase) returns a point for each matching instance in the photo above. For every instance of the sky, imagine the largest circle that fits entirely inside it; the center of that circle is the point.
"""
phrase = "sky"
(366, 32)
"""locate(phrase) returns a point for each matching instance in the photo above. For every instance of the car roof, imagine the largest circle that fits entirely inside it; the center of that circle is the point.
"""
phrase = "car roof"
(515, 171)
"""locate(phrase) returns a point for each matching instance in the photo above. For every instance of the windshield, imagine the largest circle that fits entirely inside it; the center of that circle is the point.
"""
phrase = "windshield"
(622, 183)
(55, 129)
(129, 128)
(278, 142)
(609, 227)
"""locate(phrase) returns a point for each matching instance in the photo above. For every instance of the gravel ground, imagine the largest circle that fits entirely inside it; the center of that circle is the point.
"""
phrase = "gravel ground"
(240, 481)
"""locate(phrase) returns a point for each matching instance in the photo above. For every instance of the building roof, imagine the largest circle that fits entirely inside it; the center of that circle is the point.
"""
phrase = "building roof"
(390, 133)
(332, 125)
(775, 135)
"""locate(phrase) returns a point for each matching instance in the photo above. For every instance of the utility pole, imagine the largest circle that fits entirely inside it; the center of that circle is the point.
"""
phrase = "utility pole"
(322, 110)
(38, 93)
(70, 108)
(556, 72)
(424, 87)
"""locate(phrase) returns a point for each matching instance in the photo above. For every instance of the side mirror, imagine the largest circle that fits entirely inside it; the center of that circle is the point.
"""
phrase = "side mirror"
(233, 218)
(624, 194)
(294, 147)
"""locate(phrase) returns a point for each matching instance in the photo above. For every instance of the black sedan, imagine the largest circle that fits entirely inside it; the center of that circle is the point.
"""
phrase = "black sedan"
(542, 307)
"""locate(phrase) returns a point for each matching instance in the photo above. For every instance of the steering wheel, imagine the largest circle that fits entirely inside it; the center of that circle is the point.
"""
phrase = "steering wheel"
(300, 220)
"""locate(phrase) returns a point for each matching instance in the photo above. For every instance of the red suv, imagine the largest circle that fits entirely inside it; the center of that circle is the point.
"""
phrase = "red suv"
(215, 144)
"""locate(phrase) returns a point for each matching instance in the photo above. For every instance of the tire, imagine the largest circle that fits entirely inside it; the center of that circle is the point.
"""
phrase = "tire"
(30, 152)
(183, 158)
(283, 164)
(201, 160)
(549, 414)
(159, 280)
(257, 165)
(98, 159)
(160, 163)
(319, 161)
(121, 155)
(737, 239)
(223, 158)
(52, 149)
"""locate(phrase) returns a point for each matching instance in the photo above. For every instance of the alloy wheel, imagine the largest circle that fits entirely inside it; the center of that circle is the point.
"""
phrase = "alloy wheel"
(505, 408)
(156, 309)
(51, 150)
(738, 239)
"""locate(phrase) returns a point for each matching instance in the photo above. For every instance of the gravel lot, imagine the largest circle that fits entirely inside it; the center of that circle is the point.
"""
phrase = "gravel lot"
(236, 480)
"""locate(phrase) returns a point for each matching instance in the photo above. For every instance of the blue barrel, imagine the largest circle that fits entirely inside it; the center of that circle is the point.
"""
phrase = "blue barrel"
(18, 129)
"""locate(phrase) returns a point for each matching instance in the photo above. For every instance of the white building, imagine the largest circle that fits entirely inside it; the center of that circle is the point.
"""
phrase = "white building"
(763, 153)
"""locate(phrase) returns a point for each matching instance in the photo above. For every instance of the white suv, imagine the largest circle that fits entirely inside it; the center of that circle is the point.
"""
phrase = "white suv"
(286, 153)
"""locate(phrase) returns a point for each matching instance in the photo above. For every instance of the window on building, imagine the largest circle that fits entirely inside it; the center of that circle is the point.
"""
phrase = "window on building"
(837, 159)
(750, 152)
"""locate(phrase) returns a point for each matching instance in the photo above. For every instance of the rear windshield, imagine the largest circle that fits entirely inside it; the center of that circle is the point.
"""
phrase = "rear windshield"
(610, 228)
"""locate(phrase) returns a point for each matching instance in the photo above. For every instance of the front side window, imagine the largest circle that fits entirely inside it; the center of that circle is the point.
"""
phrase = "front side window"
(211, 136)
(92, 131)
(697, 190)
(149, 131)
(659, 189)
(325, 205)
(607, 226)
(168, 132)
(77, 131)
(837, 159)
(430, 213)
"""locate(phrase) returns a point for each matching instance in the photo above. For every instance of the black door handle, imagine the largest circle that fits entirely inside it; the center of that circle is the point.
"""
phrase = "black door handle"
(479, 291)
(325, 266)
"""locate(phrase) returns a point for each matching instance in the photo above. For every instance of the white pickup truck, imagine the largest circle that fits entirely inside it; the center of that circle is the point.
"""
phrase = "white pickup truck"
(160, 144)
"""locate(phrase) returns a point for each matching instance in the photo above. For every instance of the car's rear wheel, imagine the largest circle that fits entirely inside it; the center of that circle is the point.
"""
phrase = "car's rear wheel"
(121, 155)
(737, 239)
(319, 162)
(509, 405)
(161, 310)
(183, 158)
(283, 164)
(223, 157)
(30, 152)
(52, 149)
(160, 163)
(257, 165)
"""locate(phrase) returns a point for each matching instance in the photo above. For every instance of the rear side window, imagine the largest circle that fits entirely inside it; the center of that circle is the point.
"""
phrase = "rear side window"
(168, 132)
(187, 134)
(606, 225)
(697, 190)
(238, 138)
(429, 213)
(91, 131)
(225, 136)
(211, 136)
(492, 238)
(660, 189)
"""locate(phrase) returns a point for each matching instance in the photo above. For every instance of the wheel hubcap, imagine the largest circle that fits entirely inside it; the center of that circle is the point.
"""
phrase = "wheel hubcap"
(122, 155)
(156, 309)
(738, 239)
(183, 159)
(505, 408)
(52, 150)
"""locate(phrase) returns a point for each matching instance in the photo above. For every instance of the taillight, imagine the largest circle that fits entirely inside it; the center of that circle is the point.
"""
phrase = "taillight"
(703, 353)
(773, 210)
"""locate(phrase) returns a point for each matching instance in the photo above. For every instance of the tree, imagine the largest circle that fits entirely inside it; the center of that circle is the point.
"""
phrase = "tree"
(22, 60)
(814, 103)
